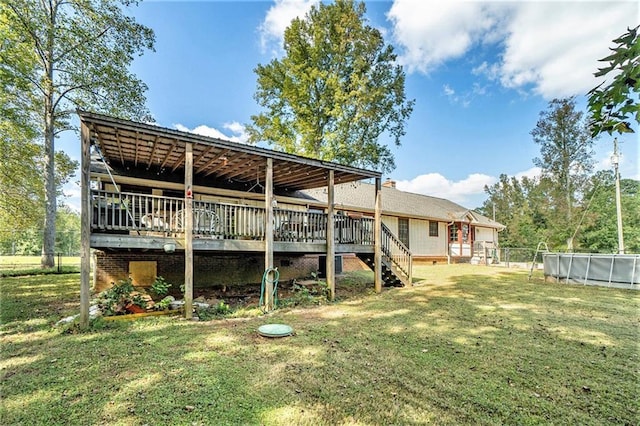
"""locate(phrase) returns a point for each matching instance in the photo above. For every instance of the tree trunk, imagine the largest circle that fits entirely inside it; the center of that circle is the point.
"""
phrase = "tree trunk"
(50, 204)
(49, 226)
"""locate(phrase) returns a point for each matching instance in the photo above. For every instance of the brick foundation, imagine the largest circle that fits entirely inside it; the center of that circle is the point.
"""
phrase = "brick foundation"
(210, 270)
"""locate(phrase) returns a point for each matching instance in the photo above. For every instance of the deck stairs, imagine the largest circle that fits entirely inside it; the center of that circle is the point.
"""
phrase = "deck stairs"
(396, 260)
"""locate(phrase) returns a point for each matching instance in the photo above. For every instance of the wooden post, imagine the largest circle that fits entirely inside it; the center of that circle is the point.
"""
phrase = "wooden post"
(377, 270)
(331, 240)
(268, 236)
(85, 224)
(188, 231)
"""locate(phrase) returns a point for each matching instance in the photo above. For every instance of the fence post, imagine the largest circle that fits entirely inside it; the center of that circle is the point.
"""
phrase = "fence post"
(59, 261)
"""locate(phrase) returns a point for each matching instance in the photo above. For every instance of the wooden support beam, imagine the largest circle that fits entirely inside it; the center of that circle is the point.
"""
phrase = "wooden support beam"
(200, 156)
(188, 232)
(268, 237)
(119, 145)
(169, 153)
(215, 158)
(331, 240)
(377, 236)
(237, 165)
(85, 224)
(153, 152)
(137, 149)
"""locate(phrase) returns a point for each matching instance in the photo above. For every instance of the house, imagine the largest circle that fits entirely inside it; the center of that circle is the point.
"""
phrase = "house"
(433, 229)
(203, 211)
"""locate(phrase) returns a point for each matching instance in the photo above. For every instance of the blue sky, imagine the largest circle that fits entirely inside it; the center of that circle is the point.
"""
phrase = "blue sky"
(480, 74)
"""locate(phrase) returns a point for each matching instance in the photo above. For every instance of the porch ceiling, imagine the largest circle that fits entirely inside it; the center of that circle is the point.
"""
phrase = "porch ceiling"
(128, 144)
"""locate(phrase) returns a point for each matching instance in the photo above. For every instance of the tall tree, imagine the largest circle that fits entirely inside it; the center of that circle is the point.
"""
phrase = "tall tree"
(20, 202)
(566, 159)
(614, 105)
(337, 89)
(81, 51)
(598, 230)
(68, 236)
(519, 205)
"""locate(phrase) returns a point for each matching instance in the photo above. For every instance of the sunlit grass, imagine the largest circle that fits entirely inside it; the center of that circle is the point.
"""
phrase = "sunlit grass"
(464, 345)
(13, 261)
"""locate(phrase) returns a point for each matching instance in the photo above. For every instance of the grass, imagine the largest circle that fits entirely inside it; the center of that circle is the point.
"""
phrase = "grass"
(14, 266)
(7, 262)
(465, 345)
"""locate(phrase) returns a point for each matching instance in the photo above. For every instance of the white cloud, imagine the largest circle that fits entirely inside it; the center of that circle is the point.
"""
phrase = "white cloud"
(533, 172)
(552, 47)
(238, 132)
(432, 32)
(278, 18)
(448, 90)
(436, 185)
(71, 191)
(556, 46)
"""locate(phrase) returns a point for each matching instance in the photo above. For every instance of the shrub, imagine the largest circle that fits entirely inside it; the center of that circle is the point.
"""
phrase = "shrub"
(211, 312)
(115, 300)
(160, 287)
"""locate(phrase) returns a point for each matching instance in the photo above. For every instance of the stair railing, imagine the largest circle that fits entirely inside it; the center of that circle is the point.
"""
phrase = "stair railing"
(396, 252)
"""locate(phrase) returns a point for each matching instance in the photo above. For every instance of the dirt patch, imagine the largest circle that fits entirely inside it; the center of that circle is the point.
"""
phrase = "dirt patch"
(242, 296)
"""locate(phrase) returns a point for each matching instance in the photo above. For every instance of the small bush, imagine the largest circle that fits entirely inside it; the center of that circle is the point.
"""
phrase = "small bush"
(160, 287)
(217, 311)
(115, 300)
(305, 296)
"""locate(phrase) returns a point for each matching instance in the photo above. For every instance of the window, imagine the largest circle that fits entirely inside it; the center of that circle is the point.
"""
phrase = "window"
(465, 232)
(433, 229)
(453, 232)
(403, 230)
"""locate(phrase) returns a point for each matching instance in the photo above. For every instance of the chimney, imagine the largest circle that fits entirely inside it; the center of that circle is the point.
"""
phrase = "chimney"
(389, 183)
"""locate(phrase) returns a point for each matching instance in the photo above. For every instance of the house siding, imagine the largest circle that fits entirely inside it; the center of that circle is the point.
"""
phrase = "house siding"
(424, 245)
(484, 234)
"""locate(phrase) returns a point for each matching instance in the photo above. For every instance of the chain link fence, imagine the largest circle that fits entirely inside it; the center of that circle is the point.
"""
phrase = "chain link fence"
(19, 262)
(522, 257)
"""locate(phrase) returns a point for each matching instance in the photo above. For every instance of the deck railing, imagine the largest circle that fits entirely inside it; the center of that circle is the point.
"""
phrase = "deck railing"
(119, 211)
(127, 212)
(354, 229)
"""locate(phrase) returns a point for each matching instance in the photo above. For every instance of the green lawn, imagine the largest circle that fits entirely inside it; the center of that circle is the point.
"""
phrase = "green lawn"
(465, 345)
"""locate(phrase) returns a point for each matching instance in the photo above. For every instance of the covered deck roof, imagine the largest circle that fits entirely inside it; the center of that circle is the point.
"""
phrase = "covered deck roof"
(130, 145)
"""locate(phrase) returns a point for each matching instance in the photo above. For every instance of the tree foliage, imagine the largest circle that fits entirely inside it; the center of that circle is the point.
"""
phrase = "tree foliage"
(599, 230)
(523, 206)
(335, 92)
(614, 105)
(61, 55)
(27, 240)
(566, 159)
(517, 205)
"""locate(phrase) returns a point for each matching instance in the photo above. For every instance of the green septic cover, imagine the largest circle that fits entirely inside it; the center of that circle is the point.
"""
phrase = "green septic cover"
(275, 330)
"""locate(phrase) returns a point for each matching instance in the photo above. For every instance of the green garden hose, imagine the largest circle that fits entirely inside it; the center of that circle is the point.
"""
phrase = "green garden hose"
(274, 281)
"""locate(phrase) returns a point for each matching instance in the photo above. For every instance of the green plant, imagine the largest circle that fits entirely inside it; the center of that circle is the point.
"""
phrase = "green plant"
(137, 299)
(164, 303)
(160, 287)
(304, 296)
(115, 300)
(220, 310)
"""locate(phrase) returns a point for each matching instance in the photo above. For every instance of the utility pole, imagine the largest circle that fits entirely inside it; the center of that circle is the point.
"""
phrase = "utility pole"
(615, 160)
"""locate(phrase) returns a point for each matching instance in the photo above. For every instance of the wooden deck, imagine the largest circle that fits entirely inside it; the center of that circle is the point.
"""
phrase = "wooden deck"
(141, 221)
